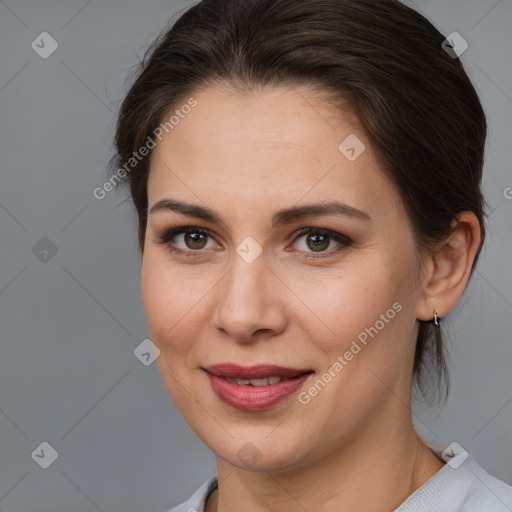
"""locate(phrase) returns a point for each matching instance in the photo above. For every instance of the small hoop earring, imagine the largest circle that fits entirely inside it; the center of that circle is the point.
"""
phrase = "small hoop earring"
(436, 318)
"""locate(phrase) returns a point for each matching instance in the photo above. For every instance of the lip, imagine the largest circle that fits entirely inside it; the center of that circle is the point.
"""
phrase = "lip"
(259, 371)
(254, 398)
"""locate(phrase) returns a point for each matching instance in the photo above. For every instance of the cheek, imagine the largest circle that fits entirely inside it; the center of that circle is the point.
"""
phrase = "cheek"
(367, 322)
(170, 301)
(348, 301)
(172, 305)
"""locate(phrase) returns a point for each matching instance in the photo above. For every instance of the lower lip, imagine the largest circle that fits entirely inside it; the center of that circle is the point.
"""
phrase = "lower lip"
(254, 398)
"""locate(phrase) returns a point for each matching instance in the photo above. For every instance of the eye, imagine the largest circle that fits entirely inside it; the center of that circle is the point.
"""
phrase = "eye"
(312, 242)
(187, 240)
(317, 240)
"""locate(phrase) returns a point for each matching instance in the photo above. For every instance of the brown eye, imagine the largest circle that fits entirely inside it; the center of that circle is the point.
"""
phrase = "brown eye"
(317, 242)
(195, 240)
(312, 241)
(188, 239)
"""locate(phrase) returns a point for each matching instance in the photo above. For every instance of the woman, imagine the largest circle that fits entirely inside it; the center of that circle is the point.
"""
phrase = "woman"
(306, 175)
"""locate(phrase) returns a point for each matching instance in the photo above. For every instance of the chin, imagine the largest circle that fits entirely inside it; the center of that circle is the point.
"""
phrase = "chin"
(262, 455)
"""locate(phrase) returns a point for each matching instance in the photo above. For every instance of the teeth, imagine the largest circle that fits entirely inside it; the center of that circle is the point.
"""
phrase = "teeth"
(259, 382)
(256, 382)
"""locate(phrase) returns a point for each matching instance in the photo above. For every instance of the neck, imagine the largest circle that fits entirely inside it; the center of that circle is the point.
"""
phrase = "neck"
(372, 472)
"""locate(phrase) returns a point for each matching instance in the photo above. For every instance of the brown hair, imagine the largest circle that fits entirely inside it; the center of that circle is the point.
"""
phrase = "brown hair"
(384, 60)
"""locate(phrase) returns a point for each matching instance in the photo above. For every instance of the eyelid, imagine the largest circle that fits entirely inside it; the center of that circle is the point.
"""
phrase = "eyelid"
(323, 231)
(343, 241)
(167, 235)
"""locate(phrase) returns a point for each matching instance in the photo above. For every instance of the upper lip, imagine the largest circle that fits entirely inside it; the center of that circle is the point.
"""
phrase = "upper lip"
(260, 371)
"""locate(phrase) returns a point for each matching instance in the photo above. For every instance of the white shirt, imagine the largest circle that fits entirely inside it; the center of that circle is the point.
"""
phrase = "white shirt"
(460, 486)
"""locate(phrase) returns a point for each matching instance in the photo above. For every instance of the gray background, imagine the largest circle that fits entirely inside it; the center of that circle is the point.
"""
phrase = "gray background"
(70, 324)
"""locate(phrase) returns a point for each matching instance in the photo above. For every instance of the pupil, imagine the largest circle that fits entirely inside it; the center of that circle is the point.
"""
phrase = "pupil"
(195, 240)
(320, 242)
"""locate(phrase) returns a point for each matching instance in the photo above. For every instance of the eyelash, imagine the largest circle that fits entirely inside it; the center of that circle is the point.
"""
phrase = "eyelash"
(343, 240)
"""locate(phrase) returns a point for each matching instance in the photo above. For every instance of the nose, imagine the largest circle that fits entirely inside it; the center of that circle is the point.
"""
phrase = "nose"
(250, 302)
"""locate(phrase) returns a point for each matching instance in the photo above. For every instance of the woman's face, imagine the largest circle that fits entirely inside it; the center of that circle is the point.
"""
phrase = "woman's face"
(335, 306)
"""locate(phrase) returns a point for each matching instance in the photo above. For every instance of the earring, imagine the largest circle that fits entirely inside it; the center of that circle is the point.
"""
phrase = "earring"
(436, 319)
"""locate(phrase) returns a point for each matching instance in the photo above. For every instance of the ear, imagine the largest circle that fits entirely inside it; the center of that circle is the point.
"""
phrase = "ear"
(449, 267)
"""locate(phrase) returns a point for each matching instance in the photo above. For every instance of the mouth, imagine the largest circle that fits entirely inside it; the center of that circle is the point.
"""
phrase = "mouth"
(255, 387)
(266, 381)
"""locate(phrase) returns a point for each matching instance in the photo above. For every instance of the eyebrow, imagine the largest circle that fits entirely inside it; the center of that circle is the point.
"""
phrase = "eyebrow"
(281, 217)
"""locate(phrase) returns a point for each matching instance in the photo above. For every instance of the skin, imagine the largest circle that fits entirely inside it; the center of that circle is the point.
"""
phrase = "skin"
(246, 156)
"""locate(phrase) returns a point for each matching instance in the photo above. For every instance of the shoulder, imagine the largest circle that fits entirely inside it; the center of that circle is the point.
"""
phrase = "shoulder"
(461, 486)
(197, 501)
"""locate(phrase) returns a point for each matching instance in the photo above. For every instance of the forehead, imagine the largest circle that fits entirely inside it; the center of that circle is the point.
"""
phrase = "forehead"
(286, 121)
(272, 147)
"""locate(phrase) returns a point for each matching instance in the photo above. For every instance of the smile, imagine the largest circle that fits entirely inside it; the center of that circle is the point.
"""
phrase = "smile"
(254, 388)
